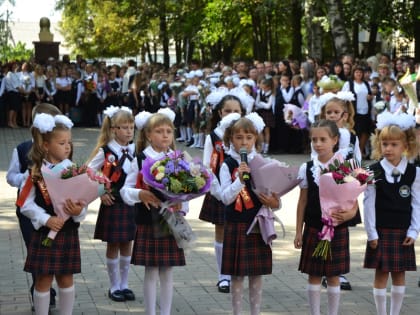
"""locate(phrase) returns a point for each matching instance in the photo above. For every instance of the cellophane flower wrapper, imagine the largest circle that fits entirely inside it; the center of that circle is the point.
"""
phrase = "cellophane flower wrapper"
(83, 188)
(335, 194)
(178, 178)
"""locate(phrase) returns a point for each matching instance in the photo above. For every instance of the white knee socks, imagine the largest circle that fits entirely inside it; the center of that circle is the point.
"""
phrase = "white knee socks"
(41, 302)
(124, 268)
(66, 300)
(255, 294)
(379, 295)
(113, 273)
(314, 298)
(397, 297)
(333, 294)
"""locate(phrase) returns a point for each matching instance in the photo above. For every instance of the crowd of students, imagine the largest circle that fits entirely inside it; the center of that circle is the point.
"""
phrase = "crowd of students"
(82, 90)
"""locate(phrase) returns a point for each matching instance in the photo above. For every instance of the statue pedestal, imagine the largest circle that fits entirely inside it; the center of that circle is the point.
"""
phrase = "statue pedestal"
(45, 50)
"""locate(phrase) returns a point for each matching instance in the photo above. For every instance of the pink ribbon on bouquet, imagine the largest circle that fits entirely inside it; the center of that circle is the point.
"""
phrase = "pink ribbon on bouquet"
(327, 232)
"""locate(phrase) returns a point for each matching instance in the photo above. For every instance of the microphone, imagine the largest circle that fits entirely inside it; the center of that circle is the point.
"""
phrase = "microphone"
(243, 152)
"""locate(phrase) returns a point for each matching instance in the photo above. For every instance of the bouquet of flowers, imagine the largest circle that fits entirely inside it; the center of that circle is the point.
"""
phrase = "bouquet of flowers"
(380, 106)
(331, 83)
(90, 84)
(406, 82)
(178, 178)
(270, 176)
(339, 186)
(295, 116)
(69, 181)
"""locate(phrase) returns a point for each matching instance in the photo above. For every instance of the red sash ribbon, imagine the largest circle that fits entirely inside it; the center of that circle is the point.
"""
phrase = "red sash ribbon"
(217, 156)
(243, 200)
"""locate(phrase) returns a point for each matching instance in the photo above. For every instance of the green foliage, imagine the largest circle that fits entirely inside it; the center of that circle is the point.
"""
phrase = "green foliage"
(18, 52)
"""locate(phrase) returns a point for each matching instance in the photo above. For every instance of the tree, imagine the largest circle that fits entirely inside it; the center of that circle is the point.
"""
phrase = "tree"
(338, 28)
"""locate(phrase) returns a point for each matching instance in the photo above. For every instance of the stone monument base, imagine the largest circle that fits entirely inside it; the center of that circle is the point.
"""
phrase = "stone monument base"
(45, 50)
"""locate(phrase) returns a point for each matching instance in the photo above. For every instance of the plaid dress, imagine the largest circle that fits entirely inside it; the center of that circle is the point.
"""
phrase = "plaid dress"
(340, 252)
(63, 257)
(213, 210)
(115, 223)
(244, 254)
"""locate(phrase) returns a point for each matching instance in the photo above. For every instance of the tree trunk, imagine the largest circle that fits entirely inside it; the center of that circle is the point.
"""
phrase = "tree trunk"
(314, 29)
(338, 29)
(416, 25)
(163, 34)
(373, 32)
(296, 30)
(355, 41)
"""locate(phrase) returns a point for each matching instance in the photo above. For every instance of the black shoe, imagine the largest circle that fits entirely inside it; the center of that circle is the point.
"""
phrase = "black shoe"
(324, 282)
(223, 286)
(189, 143)
(344, 284)
(128, 295)
(116, 296)
(52, 297)
(418, 283)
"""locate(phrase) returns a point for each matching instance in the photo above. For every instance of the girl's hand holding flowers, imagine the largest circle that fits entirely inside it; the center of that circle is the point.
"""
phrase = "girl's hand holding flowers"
(344, 215)
(73, 208)
(149, 199)
(55, 223)
(271, 201)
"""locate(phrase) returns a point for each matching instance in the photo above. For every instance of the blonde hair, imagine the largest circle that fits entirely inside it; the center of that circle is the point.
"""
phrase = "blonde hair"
(45, 108)
(156, 120)
(347, 107)
(393, 132)
(37, 153)
(106, 134)
(247, 126)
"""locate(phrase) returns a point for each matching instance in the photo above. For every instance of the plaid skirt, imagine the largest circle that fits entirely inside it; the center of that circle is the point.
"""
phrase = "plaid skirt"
(115, 224)
(63, 257)
(315, 266)
(390, 255)
(245, 255)
(155, 252)
(212, 211)
(268, 117)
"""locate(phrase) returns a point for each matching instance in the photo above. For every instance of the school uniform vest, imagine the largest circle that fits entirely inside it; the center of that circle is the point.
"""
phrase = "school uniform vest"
(22, 151)
(144, 216)
(245, 215)
(112, 168)
(295, 98)
(42, 199)
(393, 201)
(350, 154)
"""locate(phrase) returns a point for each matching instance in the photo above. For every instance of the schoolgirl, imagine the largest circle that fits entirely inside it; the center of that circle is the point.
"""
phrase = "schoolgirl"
(392, 209)
(213, 209)
(115, 224)
(154, 247)
(243, 255)
(324, 136)
(264, 105)
(51, 145)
